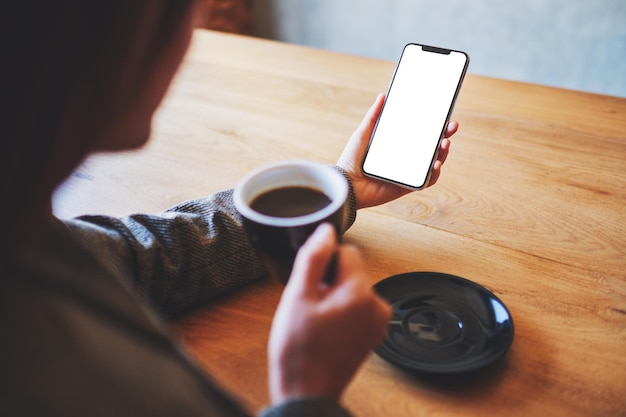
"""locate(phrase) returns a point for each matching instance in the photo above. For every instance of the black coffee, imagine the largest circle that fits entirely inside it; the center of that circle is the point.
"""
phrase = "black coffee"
(290, 202)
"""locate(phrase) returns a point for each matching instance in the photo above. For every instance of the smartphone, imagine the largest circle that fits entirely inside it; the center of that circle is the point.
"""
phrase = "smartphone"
(416, 111)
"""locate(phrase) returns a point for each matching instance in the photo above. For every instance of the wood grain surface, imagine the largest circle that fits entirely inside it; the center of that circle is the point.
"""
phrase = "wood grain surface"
(530, 204)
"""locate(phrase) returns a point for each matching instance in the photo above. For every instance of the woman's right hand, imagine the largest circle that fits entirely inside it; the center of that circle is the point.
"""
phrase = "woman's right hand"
(322, 332)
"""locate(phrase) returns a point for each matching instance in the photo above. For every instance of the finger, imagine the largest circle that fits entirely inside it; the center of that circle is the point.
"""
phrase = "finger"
(434, 176)
(369, 121)
(366, 127)
(444, 149)
(355, 149)
(310, 266)
(451, 129)
(350, 264)
(352, 283)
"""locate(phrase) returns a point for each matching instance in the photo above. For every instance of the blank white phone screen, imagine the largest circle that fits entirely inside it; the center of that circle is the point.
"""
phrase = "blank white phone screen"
(414, 115)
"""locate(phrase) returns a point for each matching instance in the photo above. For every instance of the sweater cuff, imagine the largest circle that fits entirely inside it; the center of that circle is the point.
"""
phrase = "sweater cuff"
(350, 208)
(306, 407)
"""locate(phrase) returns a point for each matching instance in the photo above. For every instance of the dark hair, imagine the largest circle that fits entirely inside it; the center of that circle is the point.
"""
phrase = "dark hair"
(59, 55)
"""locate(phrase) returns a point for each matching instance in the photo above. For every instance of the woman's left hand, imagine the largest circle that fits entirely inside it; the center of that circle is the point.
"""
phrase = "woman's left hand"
(372, 192)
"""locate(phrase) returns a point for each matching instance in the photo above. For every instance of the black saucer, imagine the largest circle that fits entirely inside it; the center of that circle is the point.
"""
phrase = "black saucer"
(443, 324)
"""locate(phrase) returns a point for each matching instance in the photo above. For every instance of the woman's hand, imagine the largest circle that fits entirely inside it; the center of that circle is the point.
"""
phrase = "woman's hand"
(369, 191)
(322, 332)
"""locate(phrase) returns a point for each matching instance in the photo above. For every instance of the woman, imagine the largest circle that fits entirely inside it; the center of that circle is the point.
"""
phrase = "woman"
(82, 302)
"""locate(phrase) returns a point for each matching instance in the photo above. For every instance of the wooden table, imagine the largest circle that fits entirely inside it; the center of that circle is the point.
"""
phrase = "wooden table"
(531, 204)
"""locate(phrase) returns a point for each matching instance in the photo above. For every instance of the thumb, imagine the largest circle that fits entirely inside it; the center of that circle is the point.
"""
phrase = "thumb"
(366, 127)
(355, 149)
(312, 260)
